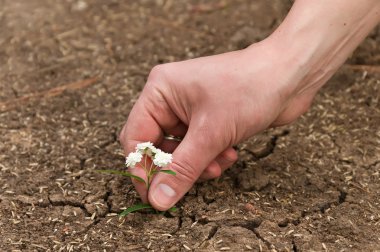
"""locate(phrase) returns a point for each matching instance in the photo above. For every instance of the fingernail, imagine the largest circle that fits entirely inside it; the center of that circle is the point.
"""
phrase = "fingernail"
(163, 195)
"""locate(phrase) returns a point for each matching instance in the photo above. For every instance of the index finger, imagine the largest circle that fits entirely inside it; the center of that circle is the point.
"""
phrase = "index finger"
(148, 119)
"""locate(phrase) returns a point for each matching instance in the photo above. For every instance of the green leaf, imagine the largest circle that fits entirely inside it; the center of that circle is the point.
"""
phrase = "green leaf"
(173, 209)
(122, 173)
(135, 208)
(168, 172)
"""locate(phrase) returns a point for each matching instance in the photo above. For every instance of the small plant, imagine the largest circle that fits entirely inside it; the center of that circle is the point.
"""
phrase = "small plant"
(149, 158)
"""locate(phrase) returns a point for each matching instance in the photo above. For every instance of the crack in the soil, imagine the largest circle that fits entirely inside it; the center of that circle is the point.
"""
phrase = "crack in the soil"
(342, 197)
(210, 235)
(324, 206)
(294, 246)
(93, 224)
(107, 196)
(180, 222)
(82, 162)
(98, 217)
(111, 141)
(108, 193)
(251, 225)
(248, 224)
(374, 164)
(321, 208)
(270, 146)
(68, 203)
(267, 243)
(81, 205)
(212, 232)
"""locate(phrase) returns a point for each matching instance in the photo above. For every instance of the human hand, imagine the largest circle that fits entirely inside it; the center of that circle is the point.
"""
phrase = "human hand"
(216, 102)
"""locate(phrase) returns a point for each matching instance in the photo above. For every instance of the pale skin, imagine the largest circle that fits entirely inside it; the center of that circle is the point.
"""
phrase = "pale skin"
(219, 101)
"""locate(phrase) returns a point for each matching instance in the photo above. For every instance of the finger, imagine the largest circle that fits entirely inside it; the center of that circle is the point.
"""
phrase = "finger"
(224, 160)
(145, 123)
(212, 171)
(227, 158)
(140, 127)
(140, 186)
(189, 160)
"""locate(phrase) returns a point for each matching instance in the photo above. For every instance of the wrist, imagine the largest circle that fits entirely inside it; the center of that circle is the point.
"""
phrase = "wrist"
(317, 36)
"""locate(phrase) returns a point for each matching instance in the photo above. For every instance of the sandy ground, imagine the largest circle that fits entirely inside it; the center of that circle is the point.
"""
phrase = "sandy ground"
(70, 72)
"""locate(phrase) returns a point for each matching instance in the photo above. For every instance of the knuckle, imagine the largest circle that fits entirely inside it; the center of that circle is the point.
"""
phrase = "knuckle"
(230, 157)
(158, 72)
(127, 143)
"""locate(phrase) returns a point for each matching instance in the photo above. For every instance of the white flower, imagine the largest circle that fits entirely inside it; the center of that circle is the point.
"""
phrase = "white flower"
(143, 146)
(162, 159)
(146, 148)
(132, 159)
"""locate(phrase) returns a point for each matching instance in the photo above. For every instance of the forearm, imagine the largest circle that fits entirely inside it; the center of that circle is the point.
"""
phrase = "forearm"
(318, 36)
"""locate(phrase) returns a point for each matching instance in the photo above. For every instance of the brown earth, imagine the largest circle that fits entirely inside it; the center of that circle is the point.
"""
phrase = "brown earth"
(70, 73)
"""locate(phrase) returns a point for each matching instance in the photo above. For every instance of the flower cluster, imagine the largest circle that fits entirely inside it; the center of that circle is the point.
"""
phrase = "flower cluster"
(132, 159)
(159, 158)
(150, 159)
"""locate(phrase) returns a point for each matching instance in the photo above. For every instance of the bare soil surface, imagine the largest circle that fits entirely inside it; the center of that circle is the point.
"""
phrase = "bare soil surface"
(70, 72)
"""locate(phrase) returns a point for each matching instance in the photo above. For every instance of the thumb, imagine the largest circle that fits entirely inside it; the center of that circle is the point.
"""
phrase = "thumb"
(190, 158)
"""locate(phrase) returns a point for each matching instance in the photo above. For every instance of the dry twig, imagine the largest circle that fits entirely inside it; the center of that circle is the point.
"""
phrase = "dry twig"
(10, 104)
(367, 68)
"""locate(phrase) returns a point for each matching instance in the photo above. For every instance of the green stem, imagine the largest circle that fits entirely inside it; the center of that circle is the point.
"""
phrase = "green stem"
(152, 171)
(144, 167)
(145, 162)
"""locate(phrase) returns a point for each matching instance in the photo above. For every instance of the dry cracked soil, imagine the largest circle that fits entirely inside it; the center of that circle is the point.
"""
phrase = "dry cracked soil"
(70, 72)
